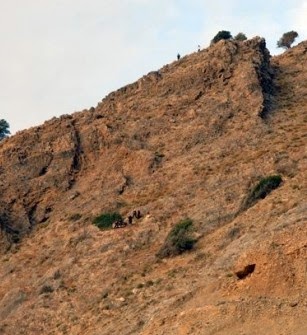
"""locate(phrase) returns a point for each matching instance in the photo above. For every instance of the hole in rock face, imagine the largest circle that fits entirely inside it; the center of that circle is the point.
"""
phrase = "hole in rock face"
(43, 171)
(246, 271)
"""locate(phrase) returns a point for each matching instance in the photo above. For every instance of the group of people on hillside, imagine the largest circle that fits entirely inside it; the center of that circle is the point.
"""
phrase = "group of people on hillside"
(123, 223)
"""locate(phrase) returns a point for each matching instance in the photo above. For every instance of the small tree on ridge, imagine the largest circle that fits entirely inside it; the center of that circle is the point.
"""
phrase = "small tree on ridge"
(240, 37)
(287, 39)
(221, 35)
(4, 129)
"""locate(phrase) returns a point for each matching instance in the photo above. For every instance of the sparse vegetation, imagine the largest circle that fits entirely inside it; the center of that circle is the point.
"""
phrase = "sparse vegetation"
(104, 294)
(178, 240)
(221, 35)
(287, 39)
(57, 275)
(46, 289)
(75, 217)
(216, 152)
(233, 233)
(262, 189)
(74, 241)
(105, 220)
(202, 256)
(149, 283)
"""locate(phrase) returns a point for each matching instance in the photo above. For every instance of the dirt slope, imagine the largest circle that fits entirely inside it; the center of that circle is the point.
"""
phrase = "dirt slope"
(189, 140)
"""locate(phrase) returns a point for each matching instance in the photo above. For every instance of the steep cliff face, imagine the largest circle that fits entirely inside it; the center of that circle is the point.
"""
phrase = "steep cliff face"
(189, 140)
(163, 115)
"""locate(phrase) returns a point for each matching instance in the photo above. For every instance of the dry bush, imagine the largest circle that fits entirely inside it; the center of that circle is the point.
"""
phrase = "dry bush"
(178, 240)
(261, 190)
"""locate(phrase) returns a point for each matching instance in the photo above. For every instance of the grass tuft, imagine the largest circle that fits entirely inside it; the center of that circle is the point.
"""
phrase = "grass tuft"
(262, 189)
(178, 240)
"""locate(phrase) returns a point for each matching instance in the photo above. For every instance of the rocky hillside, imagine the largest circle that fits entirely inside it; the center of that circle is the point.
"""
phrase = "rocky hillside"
(191, 140)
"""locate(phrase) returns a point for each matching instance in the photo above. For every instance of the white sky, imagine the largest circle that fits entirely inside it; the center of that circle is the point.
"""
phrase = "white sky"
(61, 56)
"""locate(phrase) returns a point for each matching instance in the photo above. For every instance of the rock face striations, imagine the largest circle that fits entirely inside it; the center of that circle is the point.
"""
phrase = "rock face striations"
(208, 91)
(191, 140)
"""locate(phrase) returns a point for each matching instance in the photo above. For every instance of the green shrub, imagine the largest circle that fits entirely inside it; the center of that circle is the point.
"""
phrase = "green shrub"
(262, 189)
(221, 35)
(105, 220)
(4, 129)
(240, 37)
(178, 240)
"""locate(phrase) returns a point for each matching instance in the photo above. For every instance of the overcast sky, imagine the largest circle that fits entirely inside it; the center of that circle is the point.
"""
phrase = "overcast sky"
(61, 56)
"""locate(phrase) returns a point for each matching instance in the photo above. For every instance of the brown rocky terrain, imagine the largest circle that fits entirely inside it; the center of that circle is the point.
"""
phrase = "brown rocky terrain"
(190, 140)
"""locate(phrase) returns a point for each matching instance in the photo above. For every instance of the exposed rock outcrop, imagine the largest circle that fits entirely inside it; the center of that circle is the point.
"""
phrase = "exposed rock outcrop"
(39, 166)
(187, 141)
